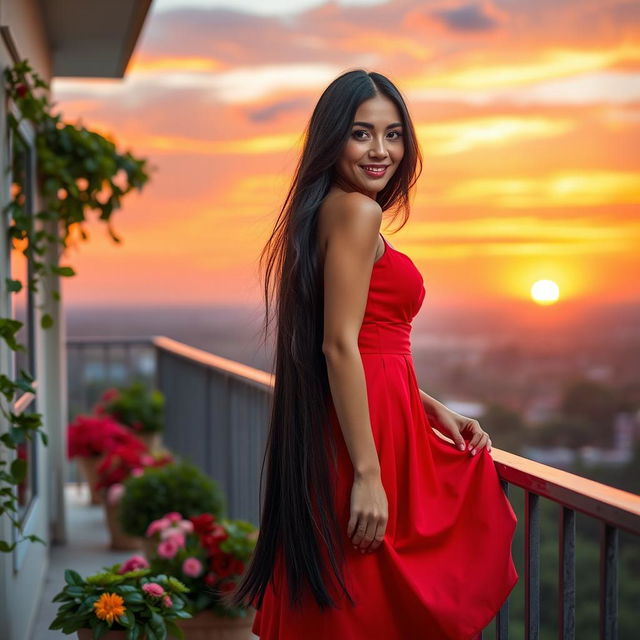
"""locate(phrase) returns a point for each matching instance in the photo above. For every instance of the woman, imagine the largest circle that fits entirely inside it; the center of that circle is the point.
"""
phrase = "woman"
(373, 526)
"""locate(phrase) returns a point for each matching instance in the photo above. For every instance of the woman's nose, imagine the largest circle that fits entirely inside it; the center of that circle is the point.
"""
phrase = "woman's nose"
(379, 148)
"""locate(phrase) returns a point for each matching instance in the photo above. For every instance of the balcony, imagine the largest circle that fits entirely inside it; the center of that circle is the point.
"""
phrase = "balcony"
(216, 412)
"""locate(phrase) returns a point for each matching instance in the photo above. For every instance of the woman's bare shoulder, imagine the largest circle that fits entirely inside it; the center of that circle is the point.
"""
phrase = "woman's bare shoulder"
(337, 207)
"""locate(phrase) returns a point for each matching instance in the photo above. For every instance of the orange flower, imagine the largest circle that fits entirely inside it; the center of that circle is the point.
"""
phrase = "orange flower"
(109, 606)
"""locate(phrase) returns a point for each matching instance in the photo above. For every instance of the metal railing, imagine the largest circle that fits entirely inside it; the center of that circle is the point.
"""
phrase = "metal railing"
(216, 416)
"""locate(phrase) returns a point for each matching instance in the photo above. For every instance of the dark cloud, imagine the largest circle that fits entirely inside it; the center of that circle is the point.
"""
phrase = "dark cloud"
(271, 111)
(468, 17)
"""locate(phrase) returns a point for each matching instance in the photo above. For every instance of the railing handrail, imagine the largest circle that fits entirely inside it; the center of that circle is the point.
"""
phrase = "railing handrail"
(204, 358)
(615, 506)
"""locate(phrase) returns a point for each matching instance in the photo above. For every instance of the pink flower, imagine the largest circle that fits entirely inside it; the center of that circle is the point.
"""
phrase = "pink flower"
(133, 563)
(153, 589)
(114, 493)
(186, 526)
(192, 567)
(173, 516)
(175, 533)
(167, 601)
(168, 548)
(147, 460)
(137, 472)
(157, 525)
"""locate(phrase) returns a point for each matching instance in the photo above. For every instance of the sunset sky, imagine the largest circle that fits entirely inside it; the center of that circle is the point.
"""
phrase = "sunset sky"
(527, 112)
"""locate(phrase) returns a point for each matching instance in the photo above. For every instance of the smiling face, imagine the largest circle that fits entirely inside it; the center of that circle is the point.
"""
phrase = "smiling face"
(374, 149)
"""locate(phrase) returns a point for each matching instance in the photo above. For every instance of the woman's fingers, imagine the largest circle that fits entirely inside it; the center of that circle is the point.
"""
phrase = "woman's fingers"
(480, 442)
(368, 514)
(378, 537)
(360, 531)
(369, 533)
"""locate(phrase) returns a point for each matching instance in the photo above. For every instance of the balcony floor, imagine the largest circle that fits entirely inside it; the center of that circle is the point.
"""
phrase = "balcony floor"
(87, 551)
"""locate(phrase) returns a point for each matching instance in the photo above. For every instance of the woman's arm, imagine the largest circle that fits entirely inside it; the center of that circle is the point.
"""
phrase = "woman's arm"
(466, 433)
(430, 404)
(352, 240)
(351, 244)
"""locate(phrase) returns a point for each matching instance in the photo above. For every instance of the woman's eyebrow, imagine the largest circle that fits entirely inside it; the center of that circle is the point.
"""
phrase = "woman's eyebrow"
(370, 126)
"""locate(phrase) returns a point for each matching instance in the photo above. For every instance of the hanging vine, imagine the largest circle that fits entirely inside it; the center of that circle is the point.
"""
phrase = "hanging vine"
(76, 171)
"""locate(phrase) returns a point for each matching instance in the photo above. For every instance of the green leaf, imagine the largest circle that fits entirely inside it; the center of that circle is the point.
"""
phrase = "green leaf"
(134, 632)
(19, 469)
(128, 620)
(183, 614)
(175, 630)
(150, 633)
(13, 285)
(101, 629)
(62, 271)
(133, 598)
(157, 622)
(46, 321)
(72, 577)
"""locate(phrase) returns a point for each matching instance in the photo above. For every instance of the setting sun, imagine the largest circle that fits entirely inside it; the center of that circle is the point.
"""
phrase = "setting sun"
(545, 291)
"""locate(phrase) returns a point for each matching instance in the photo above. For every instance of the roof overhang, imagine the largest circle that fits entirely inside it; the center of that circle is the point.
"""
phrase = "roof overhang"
(92, 38)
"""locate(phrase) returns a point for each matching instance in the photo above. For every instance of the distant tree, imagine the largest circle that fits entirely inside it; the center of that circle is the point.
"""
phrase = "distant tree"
(505, 427)
(595, 404)
(561, 431)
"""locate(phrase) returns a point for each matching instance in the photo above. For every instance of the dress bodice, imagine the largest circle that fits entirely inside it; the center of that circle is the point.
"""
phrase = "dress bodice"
(396, 294)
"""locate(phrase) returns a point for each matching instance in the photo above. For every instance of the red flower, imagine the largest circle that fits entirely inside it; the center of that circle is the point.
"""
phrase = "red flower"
(96, 435)
(21, 90)
(109, 395)
(203, 524)
(225, 565)
(225, 587)
(210, 580)
(123, 460)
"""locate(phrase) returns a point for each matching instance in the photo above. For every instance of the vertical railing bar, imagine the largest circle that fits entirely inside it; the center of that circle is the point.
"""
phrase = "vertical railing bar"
(502, 618)
(532, 566)
(608, 582)
(208, 421)
(567, 574)
(106, 360)
(83, 368)
(228, 419)
(128, 361)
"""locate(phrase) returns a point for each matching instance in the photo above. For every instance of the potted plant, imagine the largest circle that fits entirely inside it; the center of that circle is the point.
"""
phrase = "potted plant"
(139, 408)
(178, 486)
(121, 602)
(120, 463)
(209, 555)
(89, 438)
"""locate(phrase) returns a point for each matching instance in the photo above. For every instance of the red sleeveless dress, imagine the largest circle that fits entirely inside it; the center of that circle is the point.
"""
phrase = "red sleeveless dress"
(444, 567)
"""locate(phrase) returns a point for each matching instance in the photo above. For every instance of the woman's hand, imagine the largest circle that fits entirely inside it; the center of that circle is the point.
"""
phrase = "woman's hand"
(369, 512)
(460, 429)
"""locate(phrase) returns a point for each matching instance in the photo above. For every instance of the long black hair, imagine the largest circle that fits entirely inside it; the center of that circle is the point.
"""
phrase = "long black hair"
(298, 516)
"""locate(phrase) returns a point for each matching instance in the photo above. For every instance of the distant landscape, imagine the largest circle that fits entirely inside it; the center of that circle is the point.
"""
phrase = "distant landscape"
(542, 386)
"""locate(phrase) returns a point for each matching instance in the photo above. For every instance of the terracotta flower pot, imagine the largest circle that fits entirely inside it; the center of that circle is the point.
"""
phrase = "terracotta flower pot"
(120, 634)
(207, 625)
(152, 439)
(88, 466)
(149, 547)
(119, 539)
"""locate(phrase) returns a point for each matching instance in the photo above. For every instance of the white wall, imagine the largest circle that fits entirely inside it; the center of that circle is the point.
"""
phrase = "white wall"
(23, 572)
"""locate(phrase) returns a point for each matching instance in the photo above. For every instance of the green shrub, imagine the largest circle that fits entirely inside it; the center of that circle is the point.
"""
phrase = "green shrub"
(179, 486)
(137, 406)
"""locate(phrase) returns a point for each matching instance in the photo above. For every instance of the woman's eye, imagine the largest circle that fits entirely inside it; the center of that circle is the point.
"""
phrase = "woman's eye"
(358, 131)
